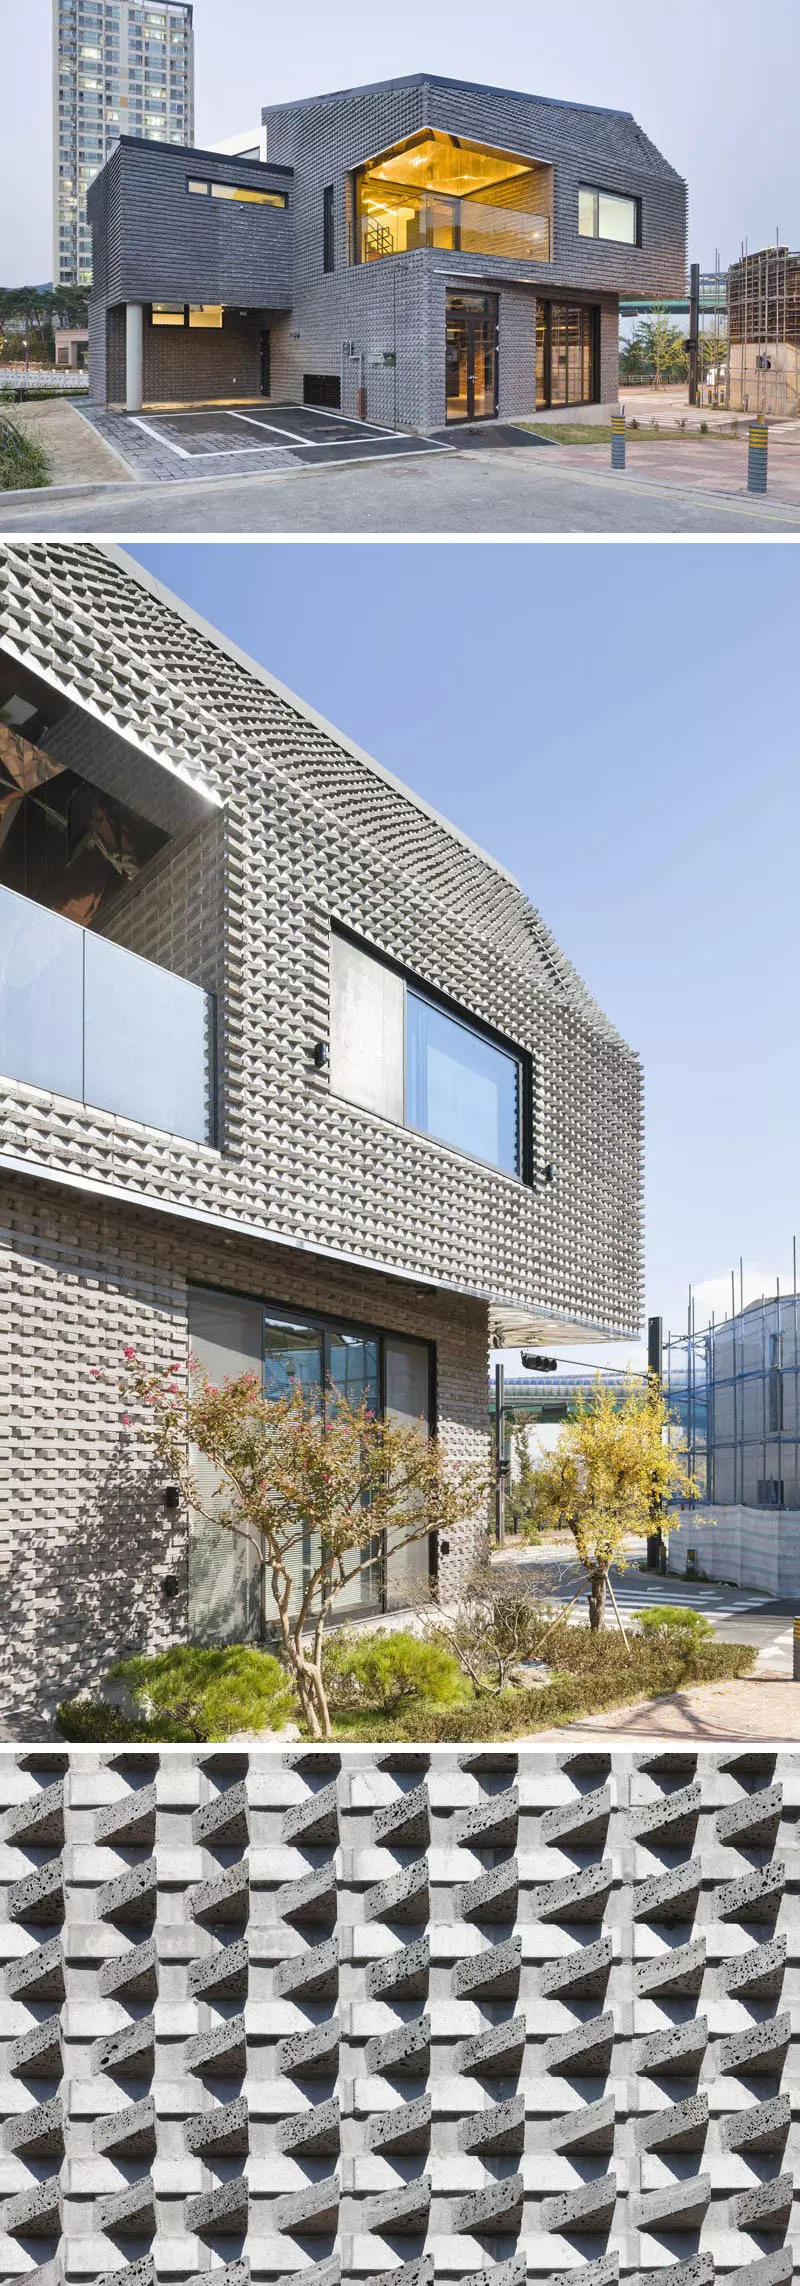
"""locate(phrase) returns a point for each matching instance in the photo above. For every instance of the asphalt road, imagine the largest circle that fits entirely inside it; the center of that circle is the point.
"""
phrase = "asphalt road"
(738, 1615)
(473, 493)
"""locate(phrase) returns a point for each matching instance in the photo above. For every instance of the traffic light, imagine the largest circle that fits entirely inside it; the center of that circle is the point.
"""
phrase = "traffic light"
(535, 1364)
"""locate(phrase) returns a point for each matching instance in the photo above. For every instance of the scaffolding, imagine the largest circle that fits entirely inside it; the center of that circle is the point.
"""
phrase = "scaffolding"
(733, 1392)
(764, 329)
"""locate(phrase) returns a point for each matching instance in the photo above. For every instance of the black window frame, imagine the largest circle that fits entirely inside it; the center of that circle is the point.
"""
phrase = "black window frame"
(328, 230)
(525, 1173)
(607, 190)
(327, 1323)
(210, 186)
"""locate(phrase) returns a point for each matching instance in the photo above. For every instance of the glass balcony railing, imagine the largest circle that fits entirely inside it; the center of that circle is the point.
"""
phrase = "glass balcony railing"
(455, 225)
(85, 1018)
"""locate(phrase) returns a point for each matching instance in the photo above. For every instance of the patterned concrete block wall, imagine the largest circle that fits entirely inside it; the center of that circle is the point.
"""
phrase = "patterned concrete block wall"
(92, 1564)
(375, 2018)
(397, 304)
(315, 834)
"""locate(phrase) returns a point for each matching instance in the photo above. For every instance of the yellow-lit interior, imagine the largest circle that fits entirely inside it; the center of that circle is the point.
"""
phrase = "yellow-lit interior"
(437, 162)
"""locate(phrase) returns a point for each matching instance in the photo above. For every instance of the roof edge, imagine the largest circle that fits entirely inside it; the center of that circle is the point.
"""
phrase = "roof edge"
(240, 658)
(442, 79)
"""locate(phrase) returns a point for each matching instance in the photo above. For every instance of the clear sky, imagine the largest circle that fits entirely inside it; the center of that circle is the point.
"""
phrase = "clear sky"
(619, 727)
(693, 73)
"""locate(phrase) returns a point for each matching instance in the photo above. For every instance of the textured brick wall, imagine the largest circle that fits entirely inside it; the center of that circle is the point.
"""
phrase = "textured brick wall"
(85, 1540)
(196, 362)
(155, 240)
(481, 2017)
(314, 834)
(398, 304)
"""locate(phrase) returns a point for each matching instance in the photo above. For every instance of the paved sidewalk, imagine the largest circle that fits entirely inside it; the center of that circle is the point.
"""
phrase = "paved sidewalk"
(757, 1707)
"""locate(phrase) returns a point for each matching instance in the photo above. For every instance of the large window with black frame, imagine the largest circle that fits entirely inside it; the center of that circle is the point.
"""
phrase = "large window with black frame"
(232, 1334)
(567, 354)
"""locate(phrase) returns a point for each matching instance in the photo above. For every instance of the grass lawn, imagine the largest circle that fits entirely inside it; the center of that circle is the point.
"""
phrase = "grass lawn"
(649, 432)
(589, 1674)
(24, 463)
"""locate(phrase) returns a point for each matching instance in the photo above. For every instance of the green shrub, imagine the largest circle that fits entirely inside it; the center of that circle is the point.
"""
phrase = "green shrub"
(390, 1669)
(589, 1674)
(208, 1694)
(675, 1619)
(24, 464)
(89, 1722)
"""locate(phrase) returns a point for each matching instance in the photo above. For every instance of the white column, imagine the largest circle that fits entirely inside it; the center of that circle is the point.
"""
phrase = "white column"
(134, 357)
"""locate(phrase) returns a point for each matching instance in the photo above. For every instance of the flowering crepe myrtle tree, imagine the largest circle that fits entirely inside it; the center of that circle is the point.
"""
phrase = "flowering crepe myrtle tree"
(614, 1467)
(309, 1488)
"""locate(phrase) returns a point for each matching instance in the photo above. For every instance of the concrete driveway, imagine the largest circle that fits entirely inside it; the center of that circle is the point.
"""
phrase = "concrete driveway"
(438, 493)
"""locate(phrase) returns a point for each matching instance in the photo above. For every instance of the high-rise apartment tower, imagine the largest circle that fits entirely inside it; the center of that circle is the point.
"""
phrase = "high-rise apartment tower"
(120, 67)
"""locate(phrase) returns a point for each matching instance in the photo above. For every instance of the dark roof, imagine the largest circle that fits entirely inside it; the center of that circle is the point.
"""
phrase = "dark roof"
(193, 151)
(438, 79)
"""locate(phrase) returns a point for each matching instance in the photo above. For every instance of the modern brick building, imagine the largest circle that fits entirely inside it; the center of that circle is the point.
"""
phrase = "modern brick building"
(456, 251)
(489, 2018)
(290, 1072)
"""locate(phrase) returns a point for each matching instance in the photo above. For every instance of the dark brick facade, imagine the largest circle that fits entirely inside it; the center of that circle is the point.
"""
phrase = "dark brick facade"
(149, 244)
(157, 241)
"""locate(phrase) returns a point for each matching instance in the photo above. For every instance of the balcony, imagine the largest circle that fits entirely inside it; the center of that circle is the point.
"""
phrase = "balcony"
(83, 1017)
(455, 226)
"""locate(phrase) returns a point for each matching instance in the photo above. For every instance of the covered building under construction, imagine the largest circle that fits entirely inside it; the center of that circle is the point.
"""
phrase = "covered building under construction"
(733, 1390)
(764, 333)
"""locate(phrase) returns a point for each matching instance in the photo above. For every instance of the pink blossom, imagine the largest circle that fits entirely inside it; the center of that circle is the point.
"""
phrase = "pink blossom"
(126, 1421)
(128, 1351)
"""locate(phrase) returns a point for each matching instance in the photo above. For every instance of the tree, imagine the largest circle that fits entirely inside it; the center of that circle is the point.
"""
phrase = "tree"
(631, 357)
(495, 1623)
(33, 310)
(660, 346)
(613, 1466)
(713, 353)
(519, 1497)
(316, 1492)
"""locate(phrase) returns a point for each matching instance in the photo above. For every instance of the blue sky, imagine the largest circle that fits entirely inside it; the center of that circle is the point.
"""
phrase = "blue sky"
(725, 115)
(619, 727)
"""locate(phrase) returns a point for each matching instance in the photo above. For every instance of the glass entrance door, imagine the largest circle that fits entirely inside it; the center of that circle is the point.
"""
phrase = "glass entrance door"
(567, 354)
(471, 357)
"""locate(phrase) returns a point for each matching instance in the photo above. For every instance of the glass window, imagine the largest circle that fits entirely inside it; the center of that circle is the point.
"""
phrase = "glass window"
(327, 228)
(440, 190)
(205, 315)
(354, 1373)
(247, 197)
(407, 1368)
(394, 1052)
(366, 1030)
(231, 1335)
(617, 218)
(201, 189)
(168, 313)
(460, 1087)
(605, 214)
(224, 1575)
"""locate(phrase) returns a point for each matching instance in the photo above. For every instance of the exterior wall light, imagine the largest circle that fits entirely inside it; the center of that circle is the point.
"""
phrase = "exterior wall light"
(321, 1055)
(172, 1496)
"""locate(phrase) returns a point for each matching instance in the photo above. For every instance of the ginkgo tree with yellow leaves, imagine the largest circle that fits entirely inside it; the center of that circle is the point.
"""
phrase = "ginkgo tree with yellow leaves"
(615, 1465)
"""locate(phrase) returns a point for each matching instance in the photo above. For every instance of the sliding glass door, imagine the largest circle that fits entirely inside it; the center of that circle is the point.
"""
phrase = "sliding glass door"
(229, 1601)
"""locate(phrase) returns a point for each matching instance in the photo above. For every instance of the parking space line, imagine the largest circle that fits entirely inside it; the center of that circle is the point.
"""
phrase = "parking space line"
(138, 423)
(323, 413)
(367, 427)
